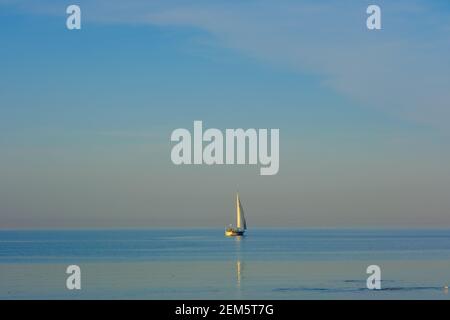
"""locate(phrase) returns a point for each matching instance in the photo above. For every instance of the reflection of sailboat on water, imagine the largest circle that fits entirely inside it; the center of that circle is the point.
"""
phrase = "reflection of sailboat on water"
(238, 273)
(241, 224)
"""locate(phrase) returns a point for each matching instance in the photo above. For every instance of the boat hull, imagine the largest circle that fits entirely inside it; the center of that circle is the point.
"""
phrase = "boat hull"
(234, 233)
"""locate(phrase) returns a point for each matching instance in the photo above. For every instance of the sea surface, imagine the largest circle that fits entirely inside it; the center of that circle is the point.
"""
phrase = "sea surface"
(203, 264)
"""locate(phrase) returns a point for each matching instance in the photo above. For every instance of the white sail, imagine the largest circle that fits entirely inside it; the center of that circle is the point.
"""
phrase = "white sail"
(240, 218)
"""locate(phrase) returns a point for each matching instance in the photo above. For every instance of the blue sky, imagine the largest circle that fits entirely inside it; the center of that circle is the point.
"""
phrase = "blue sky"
(86, 115)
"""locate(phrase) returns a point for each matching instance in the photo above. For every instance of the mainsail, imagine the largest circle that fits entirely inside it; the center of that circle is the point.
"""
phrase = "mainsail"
(240, 218)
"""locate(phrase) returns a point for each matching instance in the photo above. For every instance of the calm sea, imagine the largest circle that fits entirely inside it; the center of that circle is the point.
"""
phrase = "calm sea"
(203, 264)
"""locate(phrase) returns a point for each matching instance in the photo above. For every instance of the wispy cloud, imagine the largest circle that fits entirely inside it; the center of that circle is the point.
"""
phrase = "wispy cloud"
(403, 69)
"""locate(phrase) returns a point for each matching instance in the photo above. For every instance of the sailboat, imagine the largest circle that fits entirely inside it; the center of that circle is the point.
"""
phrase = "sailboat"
(241, 224)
